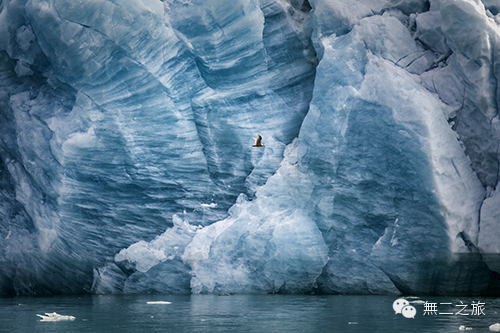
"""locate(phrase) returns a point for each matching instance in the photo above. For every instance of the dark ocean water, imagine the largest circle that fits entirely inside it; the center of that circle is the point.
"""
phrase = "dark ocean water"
(247, 313)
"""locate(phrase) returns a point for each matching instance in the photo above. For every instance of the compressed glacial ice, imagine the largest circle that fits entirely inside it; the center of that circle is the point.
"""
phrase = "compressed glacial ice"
(126, 158)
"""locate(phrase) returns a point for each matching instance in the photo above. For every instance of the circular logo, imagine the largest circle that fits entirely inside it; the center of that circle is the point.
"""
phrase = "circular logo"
(409, 311)
(399, 304)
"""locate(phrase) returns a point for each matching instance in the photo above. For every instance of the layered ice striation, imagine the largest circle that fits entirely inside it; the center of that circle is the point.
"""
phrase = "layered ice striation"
(126, 146)
(118, 115)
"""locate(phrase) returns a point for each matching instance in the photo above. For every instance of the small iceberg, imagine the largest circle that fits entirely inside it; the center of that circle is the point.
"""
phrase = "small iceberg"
(418, 301)
(54, 317)
(158, 302)
(495, 327)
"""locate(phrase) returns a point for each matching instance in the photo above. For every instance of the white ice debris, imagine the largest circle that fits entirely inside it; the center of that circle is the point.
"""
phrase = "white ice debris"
(55, 317)
(158, 302)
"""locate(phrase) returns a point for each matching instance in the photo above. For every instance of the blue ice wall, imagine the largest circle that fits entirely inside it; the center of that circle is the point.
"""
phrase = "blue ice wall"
(126, 158)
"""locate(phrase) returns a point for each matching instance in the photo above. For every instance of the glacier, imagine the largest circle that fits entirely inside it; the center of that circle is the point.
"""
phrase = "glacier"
(126, 158)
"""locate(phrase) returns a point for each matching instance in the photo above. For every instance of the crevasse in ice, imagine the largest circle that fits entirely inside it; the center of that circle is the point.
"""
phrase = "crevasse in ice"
(126, 158)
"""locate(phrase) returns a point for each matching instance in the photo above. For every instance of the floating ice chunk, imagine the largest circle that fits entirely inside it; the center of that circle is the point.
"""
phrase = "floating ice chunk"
(158, 302)
(55, 317)
(495, 327)
(211, 205)
(418, 301)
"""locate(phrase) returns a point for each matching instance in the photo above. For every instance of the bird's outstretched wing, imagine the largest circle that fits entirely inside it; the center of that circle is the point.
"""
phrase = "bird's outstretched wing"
(258, 141)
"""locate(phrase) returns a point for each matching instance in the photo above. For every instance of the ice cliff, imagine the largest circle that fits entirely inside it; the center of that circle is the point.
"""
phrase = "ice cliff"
(126, 159)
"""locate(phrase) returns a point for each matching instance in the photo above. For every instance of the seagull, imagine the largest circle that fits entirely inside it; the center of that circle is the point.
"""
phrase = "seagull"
(258, 141)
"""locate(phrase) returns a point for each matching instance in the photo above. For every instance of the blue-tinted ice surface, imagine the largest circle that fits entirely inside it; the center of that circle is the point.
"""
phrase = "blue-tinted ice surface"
(127, 167)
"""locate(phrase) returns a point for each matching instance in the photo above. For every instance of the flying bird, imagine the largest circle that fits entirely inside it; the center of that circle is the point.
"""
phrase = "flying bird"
(258, 141)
